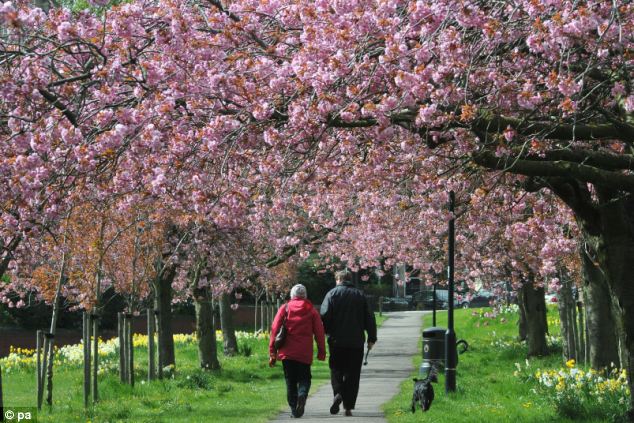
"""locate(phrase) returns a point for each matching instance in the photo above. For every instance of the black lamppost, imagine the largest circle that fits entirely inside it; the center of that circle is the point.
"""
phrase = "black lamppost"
(434, 305)
(451, 354)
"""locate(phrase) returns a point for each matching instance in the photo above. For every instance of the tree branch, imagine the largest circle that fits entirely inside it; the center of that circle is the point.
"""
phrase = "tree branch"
(218, 5)
(556, 131)
(578, 198)
(558, 168)
(493, 123)
(603, 160)
(71, 79)
(4, 264)
(55, 102)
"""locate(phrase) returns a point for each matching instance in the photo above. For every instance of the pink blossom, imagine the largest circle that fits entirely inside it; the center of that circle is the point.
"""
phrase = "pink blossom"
(618, 89)
(568, 87)
(66, 31)
(426, 114)
(8, 14)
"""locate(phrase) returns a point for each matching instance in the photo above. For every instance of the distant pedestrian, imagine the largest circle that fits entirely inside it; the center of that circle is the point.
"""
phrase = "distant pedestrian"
(303, 323)
(346, 316)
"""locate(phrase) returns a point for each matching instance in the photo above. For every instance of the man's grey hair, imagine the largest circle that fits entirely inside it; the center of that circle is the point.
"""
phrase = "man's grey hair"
(343, 275)
(298, 291)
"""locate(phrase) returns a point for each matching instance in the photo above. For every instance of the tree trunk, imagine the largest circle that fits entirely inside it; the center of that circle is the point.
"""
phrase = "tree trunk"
(268, 312)
(619, 332)
(534, 304)
(582, 333)
(130, 347)
(229, 340)
(566, 306)
(623, 353)
(151, 371)
(602, 340)
(255, 316)
(42, 374)
(86, 334)
(8, 255)
(163, 291)
(39, 340)
(206, 334)
(95, 358)
(1, 400)
(53, 331)
(262, 316)
(608, 231)
(607, 226)
(122, 350)
(522, 325)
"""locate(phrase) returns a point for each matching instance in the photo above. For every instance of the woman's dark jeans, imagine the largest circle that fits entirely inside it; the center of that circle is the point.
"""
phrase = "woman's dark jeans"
(298, 378)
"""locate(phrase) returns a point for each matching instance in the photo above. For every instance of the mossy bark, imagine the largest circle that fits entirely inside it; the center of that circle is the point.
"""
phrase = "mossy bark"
(230, 343)
(533, 303)
(206, 333)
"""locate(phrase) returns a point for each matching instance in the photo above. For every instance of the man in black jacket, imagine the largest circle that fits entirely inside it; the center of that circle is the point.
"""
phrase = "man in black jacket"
(346, 315)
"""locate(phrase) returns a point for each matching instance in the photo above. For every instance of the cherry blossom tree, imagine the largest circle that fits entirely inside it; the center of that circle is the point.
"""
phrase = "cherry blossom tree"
(317, 108)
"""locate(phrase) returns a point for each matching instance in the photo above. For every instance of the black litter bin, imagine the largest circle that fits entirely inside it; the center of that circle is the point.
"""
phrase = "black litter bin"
(434, 344)
(433, 350)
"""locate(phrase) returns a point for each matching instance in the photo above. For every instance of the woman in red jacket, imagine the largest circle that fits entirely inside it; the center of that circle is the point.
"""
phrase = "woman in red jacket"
(303, 323)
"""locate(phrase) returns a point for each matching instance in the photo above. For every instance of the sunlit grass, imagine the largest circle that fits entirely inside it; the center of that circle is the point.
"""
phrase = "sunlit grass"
(487, 390)
(244, 390)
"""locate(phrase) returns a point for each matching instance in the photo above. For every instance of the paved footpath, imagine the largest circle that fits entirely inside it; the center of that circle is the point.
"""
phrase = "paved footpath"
(389, 362)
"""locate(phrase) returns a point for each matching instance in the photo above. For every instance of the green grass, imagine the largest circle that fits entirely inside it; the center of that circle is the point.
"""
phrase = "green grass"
(245, 389)
(379, 319)
(192, 396)
(487, 390)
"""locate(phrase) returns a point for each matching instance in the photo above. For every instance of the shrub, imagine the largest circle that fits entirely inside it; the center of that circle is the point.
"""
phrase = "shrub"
(245, 350)
(196, 380)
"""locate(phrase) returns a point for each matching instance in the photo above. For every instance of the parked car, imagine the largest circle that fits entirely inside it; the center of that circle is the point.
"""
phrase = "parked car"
(396, 304)
(482, 298)
(425, 300)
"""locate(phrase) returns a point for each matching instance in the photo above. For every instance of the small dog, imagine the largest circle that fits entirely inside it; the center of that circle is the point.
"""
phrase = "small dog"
(424, 391)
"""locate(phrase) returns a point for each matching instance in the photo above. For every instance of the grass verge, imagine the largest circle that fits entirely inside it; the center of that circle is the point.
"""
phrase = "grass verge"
(245, 389)
(487, 390)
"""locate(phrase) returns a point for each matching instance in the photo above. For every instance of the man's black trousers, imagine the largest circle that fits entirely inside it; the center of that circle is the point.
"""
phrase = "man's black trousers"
(298, 379)
(345, 372)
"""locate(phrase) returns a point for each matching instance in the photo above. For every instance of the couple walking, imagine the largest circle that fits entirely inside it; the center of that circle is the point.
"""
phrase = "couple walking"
(344, 317)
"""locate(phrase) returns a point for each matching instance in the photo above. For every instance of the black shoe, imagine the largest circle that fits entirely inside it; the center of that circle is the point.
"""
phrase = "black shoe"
(349, 413)
(336, 402)
(301, 403)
